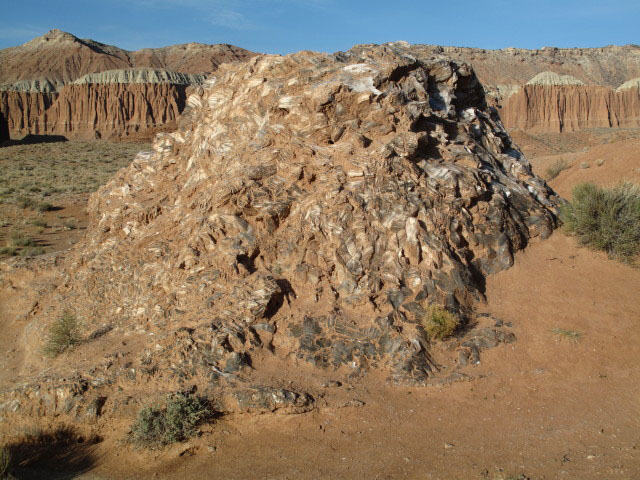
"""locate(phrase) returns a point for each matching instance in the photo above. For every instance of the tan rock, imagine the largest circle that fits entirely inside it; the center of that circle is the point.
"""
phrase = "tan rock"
(308, 211)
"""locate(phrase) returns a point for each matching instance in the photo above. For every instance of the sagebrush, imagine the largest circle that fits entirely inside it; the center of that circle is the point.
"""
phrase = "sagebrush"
(174, 422)
(556, 167)
(64, 334)
(606, 219)
(439, 323)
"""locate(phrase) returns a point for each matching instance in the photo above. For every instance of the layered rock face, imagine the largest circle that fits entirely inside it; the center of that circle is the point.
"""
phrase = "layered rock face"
(568, 108)
(308, 211)
(115, 110)
(96, 110)
(25, 111)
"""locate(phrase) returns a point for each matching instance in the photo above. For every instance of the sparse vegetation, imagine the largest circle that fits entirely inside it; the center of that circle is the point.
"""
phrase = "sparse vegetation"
(37, 222)
(556, 167)
(26, 202)
(19, 239)
(570, 335)
(606, 219)
(439, 323)
(41, 177)
(64, 335)
(175, 422)
(34, 171)
(32, 252)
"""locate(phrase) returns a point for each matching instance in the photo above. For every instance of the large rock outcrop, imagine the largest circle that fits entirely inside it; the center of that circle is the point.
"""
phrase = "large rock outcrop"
(307, 212)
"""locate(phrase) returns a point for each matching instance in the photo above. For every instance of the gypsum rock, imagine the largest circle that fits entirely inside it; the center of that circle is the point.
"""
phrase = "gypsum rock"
(310, 205)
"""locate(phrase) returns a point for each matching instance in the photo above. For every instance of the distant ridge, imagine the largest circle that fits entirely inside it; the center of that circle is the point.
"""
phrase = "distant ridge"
(141, 75)
(58, 58)
(552, 78)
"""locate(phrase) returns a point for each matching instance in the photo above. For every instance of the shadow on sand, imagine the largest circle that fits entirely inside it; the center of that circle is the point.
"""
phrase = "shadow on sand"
(61, 454)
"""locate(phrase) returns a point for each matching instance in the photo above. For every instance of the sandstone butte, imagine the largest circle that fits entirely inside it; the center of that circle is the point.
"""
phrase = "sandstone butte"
(530, 87)
(304, 216)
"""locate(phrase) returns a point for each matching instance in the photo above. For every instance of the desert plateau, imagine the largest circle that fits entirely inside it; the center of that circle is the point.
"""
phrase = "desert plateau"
(395, 260)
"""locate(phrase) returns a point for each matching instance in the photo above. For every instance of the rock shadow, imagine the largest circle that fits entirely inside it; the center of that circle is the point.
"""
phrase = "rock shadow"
(60, 454)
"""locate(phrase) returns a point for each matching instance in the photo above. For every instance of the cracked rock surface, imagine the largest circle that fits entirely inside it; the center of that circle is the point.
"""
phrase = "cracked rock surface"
(306, 213)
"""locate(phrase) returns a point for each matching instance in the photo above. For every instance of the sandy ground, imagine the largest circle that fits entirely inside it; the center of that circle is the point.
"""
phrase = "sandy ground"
(546, 407)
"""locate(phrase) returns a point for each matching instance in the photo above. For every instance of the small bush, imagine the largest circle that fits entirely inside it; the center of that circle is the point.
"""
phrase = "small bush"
(32, 252)
(64, 335)
(439, 323)
(175, 422)
(26, 202)
(556, 167)
(43, 207)
(606, 219)
(11, 251)
(37, 222)
(19, 239)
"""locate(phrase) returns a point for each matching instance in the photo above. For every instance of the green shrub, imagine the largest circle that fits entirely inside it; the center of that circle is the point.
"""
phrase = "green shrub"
(26, 202)
(439, 323)
(32, 252)
(606, 219)
(37, 222)
(556, 167)
(175, 422)
(11, 251)
(64, 334)
(43, 207)
(19, 239)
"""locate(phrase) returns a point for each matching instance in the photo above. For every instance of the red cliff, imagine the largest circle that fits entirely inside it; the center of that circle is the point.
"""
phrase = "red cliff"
(567, 108)
(115, 110)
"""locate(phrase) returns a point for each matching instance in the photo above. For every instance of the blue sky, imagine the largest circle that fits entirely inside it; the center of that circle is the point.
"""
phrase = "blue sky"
(284, 26)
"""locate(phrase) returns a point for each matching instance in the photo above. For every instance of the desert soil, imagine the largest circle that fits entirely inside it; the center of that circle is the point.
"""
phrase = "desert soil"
(546, 407)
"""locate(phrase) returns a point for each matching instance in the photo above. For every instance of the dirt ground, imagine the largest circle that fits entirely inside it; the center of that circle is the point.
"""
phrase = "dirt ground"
(546, 407)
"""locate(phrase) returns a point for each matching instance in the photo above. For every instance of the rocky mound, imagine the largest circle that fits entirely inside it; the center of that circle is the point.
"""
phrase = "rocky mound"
(306, 214)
